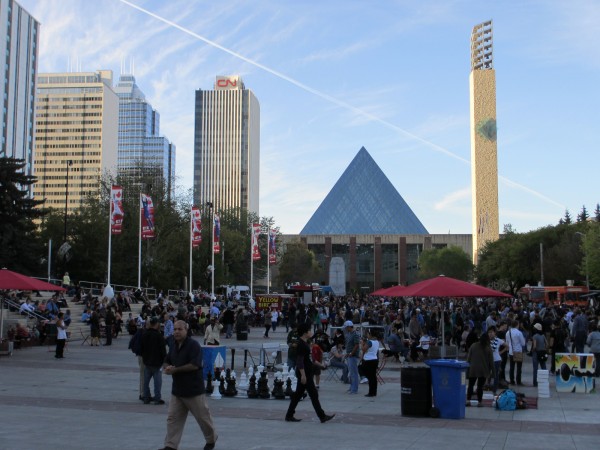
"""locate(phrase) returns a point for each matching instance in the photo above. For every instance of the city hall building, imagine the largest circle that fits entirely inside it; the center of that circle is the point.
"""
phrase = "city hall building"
(365, 230)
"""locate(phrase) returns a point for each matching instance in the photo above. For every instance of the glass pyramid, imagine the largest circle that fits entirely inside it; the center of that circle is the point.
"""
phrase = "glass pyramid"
(363, 201)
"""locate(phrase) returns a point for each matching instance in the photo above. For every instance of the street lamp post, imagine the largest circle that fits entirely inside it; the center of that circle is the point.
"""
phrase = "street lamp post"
(212, 250)
(69, 164)
(587, 273)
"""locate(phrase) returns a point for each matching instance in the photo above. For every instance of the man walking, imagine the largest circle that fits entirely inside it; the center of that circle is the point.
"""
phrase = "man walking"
(153, 354)
(184, 363)
(305, 371)
(352, 354)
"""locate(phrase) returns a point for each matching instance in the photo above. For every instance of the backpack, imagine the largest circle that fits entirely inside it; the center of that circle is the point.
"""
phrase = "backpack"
(507, 400)
(135, 343)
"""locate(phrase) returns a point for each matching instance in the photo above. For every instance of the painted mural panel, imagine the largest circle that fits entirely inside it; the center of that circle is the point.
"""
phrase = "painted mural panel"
(575, 372)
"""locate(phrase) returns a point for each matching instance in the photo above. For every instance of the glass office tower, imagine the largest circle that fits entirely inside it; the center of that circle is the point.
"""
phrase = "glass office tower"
(19, 49)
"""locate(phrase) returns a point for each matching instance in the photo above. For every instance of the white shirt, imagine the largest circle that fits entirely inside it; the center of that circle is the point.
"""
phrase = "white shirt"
(372, 351)
(274, 316)
(516, 340)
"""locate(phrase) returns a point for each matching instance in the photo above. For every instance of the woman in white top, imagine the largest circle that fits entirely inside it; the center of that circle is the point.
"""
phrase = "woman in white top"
(370, 361)
(61, 336)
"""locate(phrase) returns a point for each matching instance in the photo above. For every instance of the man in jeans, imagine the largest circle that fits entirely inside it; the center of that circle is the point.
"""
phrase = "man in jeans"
(580, 330)
(516, 343)
(153, 354)
(352, 355)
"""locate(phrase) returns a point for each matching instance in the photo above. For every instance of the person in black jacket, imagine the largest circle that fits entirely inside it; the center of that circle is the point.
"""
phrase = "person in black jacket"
(153, 354)
(305, 372)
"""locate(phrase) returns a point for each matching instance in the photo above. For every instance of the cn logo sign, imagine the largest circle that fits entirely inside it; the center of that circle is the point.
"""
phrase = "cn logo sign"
(227, 83)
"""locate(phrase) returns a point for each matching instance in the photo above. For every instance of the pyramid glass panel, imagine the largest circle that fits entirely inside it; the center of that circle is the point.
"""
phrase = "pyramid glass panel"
(363, 201)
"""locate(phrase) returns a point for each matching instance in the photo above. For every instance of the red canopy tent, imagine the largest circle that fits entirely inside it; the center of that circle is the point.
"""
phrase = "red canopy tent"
(10, 280)
(442, 286)
(14, 280)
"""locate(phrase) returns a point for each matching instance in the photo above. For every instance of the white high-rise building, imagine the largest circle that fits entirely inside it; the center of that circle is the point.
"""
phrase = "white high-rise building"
(227, 146)
(19, 36)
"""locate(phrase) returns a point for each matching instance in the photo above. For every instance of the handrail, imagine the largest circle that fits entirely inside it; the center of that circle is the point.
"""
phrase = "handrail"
(149, 292)
(31, 315)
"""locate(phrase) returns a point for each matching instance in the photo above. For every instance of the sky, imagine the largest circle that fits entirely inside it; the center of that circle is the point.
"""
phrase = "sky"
(392, 76)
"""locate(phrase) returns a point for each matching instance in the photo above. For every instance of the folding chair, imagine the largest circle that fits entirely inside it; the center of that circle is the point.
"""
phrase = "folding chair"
(332, 371)
(84, 337)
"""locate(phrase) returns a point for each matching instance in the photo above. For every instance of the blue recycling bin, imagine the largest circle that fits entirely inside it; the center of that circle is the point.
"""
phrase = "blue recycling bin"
(210, 354)
(449, 380)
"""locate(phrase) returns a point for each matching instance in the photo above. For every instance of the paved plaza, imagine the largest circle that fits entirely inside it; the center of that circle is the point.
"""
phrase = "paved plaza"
(89, 400)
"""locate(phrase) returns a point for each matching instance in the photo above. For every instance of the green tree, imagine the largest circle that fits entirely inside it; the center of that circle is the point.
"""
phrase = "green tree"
(591, 253)
(19, 240)
(298, 264)
(567, 218)
(597, 213)
(449, 261)
(583, 216)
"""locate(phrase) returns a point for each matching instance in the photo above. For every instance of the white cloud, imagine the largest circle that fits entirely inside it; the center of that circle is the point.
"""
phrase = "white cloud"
(454, 199)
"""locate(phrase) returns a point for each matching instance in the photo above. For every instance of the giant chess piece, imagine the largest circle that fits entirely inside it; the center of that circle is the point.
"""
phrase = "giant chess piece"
(278, 392)
(209, 386)
(217, 373)
(263, 386)
(252, 392)
(222, 384)
(230, 390)
(216, 394)
(288, 387)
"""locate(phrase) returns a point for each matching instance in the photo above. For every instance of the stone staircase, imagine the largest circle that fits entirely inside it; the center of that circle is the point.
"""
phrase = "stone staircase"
(78, 330)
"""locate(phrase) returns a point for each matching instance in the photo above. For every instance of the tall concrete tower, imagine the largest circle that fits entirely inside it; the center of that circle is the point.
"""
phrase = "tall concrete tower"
(484, 150)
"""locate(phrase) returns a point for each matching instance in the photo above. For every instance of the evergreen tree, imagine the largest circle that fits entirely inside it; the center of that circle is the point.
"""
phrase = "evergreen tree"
(597, 213)
(19, 243)
(583, 216)
(567, 219)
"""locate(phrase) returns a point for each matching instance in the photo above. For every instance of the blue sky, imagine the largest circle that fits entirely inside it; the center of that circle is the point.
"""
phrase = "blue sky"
(392, 76)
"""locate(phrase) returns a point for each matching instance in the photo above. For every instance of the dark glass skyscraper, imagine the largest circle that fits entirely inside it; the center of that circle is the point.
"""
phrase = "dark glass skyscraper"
(142, 151)
(19, 35)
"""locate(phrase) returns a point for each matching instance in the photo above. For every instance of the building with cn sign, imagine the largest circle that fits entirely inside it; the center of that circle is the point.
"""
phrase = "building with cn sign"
(227, 146)
(142, 151)
(19, 36)
(366, 224)
(76, 135)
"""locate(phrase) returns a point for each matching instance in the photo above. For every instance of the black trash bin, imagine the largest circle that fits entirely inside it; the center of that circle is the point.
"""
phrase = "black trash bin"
(242, 335)
(415, 388)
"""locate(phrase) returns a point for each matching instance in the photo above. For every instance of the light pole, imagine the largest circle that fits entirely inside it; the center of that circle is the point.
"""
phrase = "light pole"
(69, 164)
(587, 273)
(212, 250)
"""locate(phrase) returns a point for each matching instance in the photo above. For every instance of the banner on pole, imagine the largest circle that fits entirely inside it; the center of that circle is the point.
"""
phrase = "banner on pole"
(147, 216)
(196, 227)
(116, 209)
(217, 234)
(272, 248)
(255, 234)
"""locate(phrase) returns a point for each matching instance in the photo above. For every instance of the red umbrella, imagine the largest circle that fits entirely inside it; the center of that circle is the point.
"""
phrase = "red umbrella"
(381, 291)
(14, 280)
(396, 291)
(443, 286)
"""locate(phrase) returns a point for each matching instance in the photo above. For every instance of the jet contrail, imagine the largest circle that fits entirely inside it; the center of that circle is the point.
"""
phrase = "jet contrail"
(331, 99)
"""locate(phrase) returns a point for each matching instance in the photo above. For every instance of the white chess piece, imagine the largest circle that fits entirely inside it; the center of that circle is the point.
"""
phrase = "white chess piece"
(216, 394)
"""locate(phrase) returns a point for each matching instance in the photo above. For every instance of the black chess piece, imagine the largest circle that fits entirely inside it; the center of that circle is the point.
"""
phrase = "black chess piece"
(209, 386)
(278, 391)
(288, 387)
(222, 385)
(230, 390)
(252, 392)
(263, 386)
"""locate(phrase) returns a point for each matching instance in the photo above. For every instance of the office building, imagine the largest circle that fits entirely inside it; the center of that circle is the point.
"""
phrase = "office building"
(142, 151)
(76, 135)
(19, 51)
(227, 146)
(484, 150)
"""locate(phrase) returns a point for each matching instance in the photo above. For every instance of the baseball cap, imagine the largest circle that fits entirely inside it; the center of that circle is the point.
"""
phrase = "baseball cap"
(348, 323)
(538, 326)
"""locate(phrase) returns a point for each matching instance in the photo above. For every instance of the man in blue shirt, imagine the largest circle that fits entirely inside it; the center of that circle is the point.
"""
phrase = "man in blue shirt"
(352, 355)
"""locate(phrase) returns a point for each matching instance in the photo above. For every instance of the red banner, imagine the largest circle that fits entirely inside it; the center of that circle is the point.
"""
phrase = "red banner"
(272, 248)
(147, 216)
(217, 234)
(254, 242)
(196, 227)
(116, 209)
